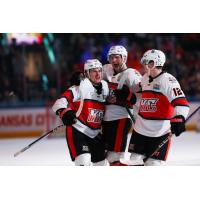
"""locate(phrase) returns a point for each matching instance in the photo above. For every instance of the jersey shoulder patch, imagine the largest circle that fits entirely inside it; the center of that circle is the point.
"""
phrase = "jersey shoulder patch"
(170, 78)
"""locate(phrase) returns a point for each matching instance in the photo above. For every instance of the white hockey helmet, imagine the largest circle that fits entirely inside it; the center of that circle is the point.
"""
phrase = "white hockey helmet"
(154, 55)
(118, 49)
(92, 64)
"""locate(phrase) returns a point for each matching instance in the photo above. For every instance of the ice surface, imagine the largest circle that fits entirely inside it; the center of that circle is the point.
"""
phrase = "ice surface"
(185, 151)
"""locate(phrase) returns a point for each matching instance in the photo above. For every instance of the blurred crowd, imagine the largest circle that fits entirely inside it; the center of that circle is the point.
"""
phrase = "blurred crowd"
(27, 74)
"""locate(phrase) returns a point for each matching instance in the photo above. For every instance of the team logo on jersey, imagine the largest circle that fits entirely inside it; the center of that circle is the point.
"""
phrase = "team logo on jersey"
(95, 115)
(148, 105)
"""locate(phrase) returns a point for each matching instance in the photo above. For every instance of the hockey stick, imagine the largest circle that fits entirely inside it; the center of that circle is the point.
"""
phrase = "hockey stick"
(83, 93)
(193, 113)
(167, 139)
(37, 140)
(130, 114)
(120, 85)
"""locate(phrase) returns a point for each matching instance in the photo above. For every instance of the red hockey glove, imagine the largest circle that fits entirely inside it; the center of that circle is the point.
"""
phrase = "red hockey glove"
(177, 125)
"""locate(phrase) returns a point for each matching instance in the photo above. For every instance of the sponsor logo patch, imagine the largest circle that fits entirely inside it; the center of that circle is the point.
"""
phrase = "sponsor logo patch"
(95, 115)
(148, 105)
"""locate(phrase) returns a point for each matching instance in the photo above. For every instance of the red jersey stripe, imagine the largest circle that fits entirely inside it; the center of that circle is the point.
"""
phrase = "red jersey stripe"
(119, 135)
(180, 102)
(71, 141)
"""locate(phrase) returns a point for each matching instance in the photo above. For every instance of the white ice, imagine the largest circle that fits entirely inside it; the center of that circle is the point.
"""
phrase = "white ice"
(185, 151)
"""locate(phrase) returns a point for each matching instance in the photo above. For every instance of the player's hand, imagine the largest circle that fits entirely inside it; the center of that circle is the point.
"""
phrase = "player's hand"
(68, 117)
(111, 99)
(133, 98)
(125, 94)
(122, 94)
(177, 125)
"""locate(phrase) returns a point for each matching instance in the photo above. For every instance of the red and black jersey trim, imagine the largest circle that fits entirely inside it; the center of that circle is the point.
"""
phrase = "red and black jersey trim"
(70, 140)
(112, 86)
(181, 101)
(151, 91)
(68, 94)
(154, 118)
(119, 134)
(92, 100)
(87, 125)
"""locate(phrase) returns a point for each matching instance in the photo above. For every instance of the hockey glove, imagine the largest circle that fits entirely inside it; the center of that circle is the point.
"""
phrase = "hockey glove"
(177, 125)
(125, 94)
(122, 94)
(68, 116)
(132, 98)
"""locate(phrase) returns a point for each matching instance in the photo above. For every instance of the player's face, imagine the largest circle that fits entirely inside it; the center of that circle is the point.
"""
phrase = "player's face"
(145, 67)
(116, 61)
(148, 67)
(95, 75)
(151, 64)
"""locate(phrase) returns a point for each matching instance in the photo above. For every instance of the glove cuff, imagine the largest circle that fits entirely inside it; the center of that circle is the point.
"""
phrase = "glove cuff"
(178, 118)
(63, 112)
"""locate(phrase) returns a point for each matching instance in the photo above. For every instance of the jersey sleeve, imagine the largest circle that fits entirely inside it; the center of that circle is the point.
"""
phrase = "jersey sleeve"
(105, 88)
(107, 72)
(176, 96)
(64, 101)
(133, 80)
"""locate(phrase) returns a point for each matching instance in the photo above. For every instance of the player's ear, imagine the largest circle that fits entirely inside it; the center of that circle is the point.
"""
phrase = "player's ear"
(85, 74)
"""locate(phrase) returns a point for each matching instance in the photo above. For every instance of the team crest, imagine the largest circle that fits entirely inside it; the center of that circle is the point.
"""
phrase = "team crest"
(148, 105)
(95, 115)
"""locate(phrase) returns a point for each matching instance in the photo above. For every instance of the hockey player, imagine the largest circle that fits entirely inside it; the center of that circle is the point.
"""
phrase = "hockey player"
(81, 110)
(123, 82)
(163, 106)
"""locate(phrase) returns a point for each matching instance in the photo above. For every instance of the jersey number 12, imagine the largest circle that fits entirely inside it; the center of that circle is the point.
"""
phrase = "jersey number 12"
(177, 91)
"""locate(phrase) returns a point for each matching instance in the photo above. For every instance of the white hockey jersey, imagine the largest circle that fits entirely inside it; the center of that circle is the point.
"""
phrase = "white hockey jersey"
(161, 100)
(129, 77)
(89, 106)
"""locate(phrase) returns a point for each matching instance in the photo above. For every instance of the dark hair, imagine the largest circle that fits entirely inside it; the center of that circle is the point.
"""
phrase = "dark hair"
(159, 67)
(76, 78)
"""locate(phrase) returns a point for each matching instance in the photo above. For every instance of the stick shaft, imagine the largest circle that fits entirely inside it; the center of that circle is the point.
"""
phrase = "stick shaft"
(35, 141)
(167, 139)
(130, 114)
(193, 113)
